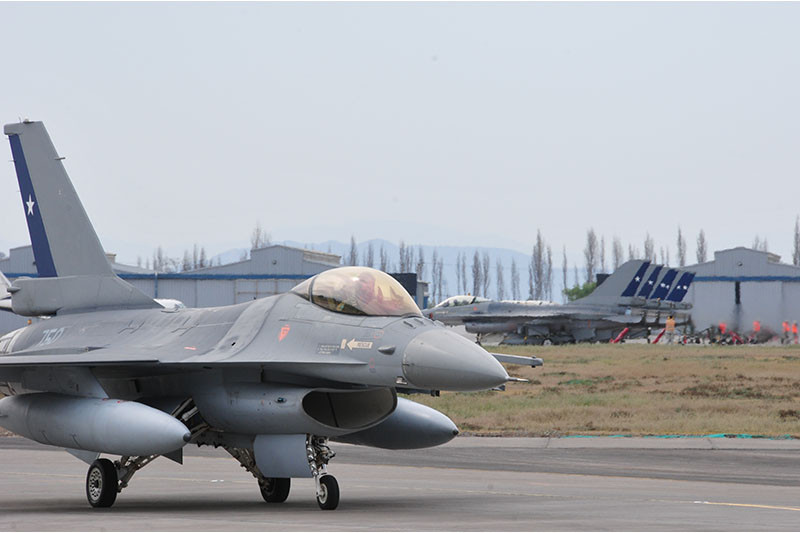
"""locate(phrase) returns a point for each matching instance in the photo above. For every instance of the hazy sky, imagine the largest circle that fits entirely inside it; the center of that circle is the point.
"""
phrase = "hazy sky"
(461, 124)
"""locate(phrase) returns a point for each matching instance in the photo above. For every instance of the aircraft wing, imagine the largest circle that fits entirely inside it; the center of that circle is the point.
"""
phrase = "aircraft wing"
(518, 359)
(98, 356)
(624, 319)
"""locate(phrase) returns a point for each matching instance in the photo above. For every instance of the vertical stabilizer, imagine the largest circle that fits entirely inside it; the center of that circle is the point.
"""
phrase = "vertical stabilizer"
(74, 274)
(64, 241)
(614, 289)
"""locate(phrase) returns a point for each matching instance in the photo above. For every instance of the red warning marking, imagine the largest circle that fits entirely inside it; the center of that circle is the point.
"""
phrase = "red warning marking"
(284, 331)
(189, 348)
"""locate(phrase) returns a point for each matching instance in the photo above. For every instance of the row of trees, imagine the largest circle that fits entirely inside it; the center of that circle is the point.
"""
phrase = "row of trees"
(192, 260)
(474, 275)
(595, 252)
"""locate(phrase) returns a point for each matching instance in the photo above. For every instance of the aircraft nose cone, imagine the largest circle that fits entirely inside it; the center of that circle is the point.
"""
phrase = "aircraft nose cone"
(443, 360)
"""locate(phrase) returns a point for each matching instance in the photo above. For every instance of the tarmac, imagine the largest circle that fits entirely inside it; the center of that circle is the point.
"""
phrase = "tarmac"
(470, 484)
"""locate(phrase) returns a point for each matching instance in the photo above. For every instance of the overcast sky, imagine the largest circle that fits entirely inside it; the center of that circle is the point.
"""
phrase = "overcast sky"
(459, 124)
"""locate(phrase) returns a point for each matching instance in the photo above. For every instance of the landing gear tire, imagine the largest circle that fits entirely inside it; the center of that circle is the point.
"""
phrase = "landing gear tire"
(328, 498)
(101, 483)
(275, 489)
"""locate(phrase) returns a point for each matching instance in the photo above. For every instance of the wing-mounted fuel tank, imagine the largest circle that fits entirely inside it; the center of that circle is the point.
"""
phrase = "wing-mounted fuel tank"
(410, 426)
(490, 327)
(99, 425)
(256, 409)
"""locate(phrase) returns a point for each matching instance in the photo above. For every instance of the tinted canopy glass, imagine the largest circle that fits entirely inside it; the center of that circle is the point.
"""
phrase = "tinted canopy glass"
(358, 291)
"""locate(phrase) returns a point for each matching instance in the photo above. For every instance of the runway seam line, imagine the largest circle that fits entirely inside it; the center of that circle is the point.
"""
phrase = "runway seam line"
(750, 505)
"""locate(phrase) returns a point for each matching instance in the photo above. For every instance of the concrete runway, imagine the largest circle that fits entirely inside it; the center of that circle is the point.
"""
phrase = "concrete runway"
(469, 484)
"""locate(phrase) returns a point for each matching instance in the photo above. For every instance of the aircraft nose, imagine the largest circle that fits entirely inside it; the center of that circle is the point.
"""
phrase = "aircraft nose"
(439, 359)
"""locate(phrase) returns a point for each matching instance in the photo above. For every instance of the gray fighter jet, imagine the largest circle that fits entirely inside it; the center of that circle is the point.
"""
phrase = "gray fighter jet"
(271, 381)
(636, 297)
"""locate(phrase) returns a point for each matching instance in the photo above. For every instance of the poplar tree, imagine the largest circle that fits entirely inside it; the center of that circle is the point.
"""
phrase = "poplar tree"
(477, 282)
(681, 249)
(796, 250)
(514, 280)
(617, 253)
(590, 254)
(701, 247)
(501, 288)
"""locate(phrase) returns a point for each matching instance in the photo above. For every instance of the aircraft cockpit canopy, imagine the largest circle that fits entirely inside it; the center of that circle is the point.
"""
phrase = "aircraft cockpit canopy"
(358, 291)
(455, 301)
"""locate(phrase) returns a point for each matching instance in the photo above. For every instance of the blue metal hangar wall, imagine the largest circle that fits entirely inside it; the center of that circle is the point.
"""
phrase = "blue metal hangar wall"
(742, 285)
(270, 270)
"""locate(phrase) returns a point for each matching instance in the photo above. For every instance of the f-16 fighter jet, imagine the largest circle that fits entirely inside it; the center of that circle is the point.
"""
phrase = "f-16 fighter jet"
(272, 381)
(636, 297)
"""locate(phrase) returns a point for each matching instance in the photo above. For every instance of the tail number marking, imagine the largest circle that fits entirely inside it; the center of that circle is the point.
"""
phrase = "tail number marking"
(51, 335)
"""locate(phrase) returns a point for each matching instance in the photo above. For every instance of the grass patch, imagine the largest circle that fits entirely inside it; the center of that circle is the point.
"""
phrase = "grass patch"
(638, 389)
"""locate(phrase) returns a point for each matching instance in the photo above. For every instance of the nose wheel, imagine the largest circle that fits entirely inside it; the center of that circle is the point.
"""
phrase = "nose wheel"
(102, 483)
(328, 493)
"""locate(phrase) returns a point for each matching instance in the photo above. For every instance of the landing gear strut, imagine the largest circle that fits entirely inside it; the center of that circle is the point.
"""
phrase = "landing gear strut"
(105, 479)
(327, 487)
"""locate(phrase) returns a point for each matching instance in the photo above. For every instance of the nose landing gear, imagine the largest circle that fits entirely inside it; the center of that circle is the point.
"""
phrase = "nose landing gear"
(327, 487)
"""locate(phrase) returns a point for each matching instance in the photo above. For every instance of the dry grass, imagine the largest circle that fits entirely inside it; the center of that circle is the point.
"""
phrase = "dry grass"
(639, 389)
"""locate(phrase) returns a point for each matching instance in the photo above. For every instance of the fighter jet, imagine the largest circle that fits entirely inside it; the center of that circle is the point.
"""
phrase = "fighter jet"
(271, 381)
(614, 309)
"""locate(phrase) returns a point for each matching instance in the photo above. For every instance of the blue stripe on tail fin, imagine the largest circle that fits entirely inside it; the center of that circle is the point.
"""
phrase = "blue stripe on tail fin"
(33, 215)
(664, 285)
(630, 290)
(680, 290)
(648, 286)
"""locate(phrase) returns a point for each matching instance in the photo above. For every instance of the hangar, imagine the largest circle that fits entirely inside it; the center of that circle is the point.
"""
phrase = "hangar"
(270, 270)
(742, 285)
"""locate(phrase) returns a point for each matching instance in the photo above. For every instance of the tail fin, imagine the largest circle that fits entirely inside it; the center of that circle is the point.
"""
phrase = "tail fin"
(619, 286)
(64, 241)
(74, 273)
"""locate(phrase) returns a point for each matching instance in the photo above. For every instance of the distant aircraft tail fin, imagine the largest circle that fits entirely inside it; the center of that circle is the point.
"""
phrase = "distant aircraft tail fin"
(620, 285)
(65, 244)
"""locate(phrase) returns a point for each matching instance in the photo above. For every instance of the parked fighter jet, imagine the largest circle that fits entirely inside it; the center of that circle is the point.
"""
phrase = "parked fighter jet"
(271, 381)
(613, 309)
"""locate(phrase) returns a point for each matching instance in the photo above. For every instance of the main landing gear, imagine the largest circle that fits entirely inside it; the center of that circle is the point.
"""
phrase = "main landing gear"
(102, 483)
(105, 479)
(276, 489)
